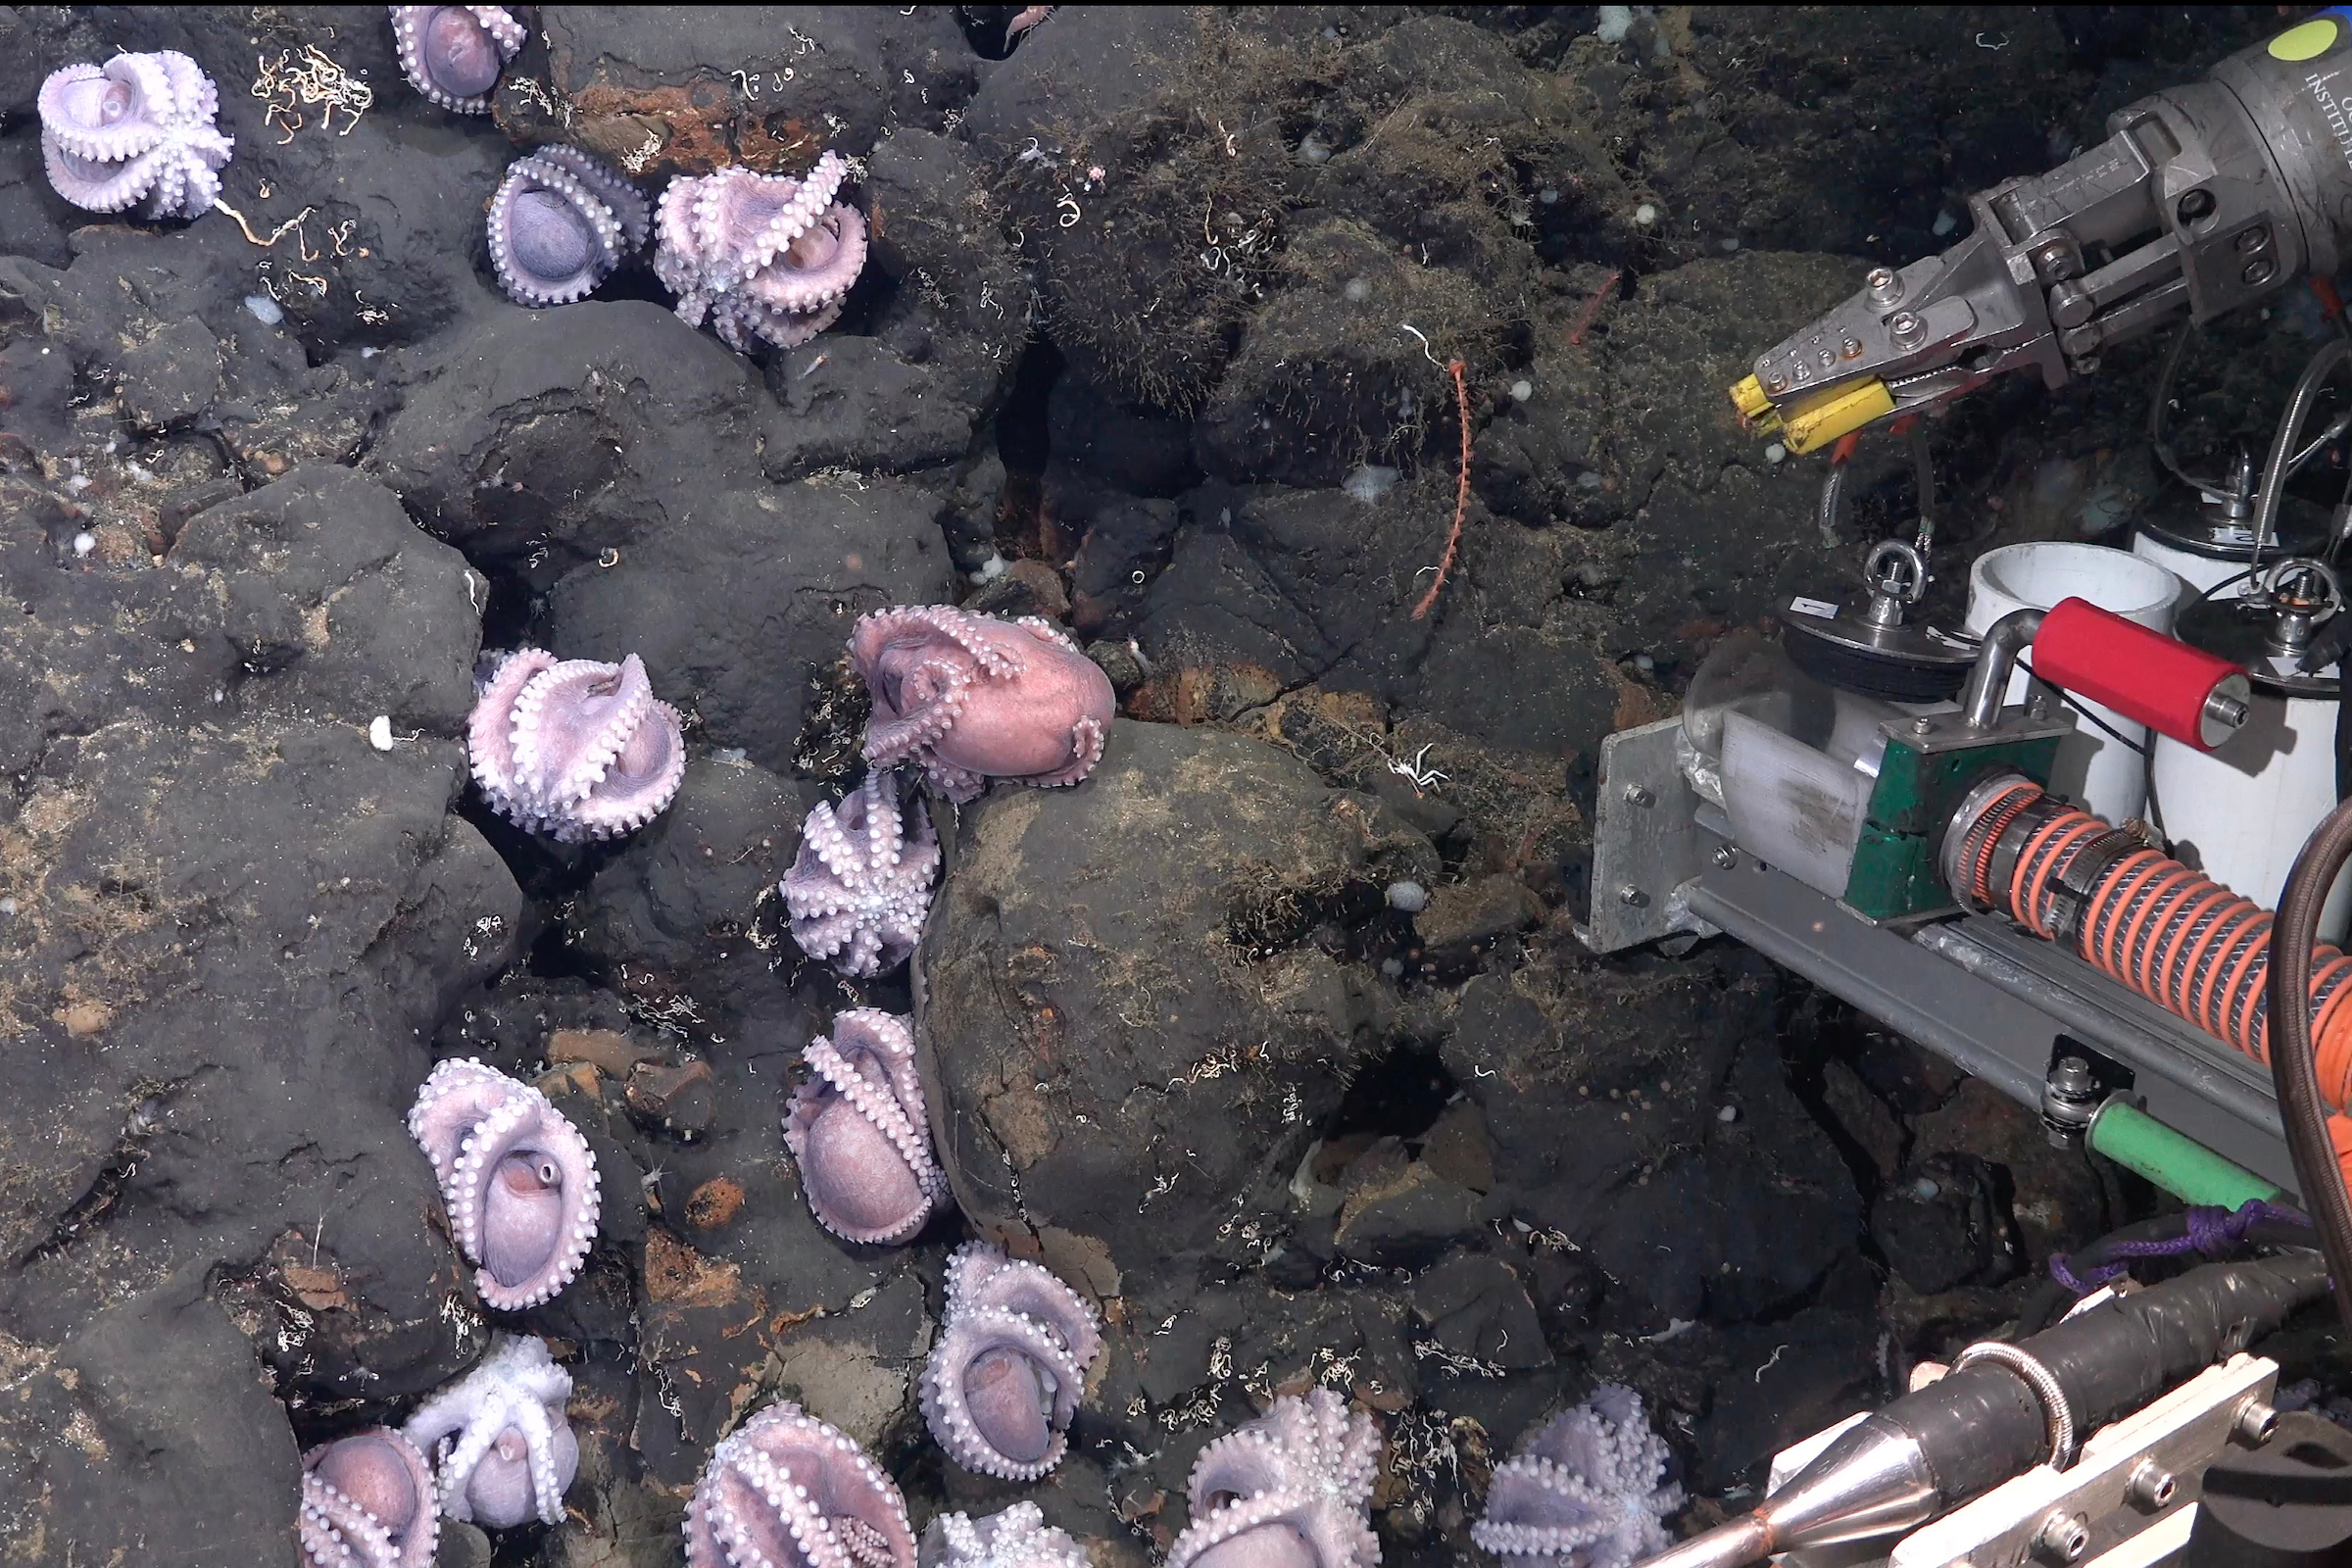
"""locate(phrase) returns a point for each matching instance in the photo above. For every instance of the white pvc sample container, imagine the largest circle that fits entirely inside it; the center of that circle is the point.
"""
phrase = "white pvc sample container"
(2241, 811)
(2105, 775)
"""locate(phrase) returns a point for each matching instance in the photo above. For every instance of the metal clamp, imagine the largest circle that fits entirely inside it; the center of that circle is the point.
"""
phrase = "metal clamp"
(2057, 1416)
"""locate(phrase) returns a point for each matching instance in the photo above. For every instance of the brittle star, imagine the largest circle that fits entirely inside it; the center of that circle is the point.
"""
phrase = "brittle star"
(1422, 775)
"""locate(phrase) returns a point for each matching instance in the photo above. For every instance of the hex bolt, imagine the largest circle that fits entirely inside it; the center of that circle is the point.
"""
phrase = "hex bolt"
(2063, 1538)
(2252, 239)
(2054, 260)
(1906, 329)
(2153, 1487)
(2257, 1420)
(2258, 272)
(1923, 726)
(1636, 795)
(1885, 287)
(1776, 383)
(2195, 206)
(1725, 856)
(1633, 896)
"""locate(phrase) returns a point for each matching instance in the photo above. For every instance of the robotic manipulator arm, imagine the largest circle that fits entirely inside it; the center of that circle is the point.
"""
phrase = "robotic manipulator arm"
(2201, 199)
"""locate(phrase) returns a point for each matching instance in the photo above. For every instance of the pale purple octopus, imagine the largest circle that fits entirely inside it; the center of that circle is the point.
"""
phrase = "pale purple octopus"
(368, 1502)
(860, 1133)
(1004, 1377)
(498, 1433)
(139, 127)
(1017, 1538)
(762, 254)
(787, 1491)
(861, 887)
(1291, 1490)
(574, 748)
(518, 1181)
(560, 224)
(1584, 1490)
(970, 697)
(453, 54)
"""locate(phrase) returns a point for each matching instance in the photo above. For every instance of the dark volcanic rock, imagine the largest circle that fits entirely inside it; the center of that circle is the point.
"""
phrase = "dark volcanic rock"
(691, 897)
(336, 604)
(1939, 1225)
(743, 599)
(1116, 1002)
(684, 89)
(558, 434)
(1603, 1091)
(149, 1435)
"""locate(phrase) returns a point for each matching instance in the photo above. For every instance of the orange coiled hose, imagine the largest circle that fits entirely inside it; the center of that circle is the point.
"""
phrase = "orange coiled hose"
(2171, 934)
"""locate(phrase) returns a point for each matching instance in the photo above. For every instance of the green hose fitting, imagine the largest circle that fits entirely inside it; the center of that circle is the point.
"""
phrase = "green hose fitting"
(2174, 1161)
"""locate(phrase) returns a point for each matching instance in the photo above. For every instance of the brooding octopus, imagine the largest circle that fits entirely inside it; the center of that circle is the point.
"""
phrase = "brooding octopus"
(1290, 1489)
(574, 748)
(560, 224)
(453, 54)
(971, 698)
(517, 1179)
(368, 1502)
(1004, 1377)
(763, 256)
(1584, 1490)
(499, 1434)
(136, 130)
(1017, 1538)
(787, 1491)
(860, 1135)
(860, 888)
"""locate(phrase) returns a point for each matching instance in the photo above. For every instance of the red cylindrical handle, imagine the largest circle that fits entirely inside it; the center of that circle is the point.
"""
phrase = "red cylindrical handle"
(2142, 675)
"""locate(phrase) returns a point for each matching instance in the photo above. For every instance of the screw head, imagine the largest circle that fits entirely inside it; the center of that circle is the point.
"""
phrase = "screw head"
(1725, 856)
(1776, 383)
(1636, 795)
(2258, 271)
(2063, 1537)
(2257, 1421)
(1923, 726)
(2195, 205)
(2153, 1487)
(1905, 327)
(1851, 347)
(2252, 239)
(1632, 896)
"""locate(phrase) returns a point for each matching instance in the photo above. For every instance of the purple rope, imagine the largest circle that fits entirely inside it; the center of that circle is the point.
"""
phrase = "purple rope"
(2210, 1232)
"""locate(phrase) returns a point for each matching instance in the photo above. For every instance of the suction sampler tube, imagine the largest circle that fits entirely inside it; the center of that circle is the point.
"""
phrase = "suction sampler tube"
(2004, 1408)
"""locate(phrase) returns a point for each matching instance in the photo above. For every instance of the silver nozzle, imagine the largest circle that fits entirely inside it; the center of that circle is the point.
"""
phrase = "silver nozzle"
(1988, 677)
(1872, 1481)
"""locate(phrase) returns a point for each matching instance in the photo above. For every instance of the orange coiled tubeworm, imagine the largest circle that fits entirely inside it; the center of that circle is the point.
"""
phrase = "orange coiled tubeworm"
(2174, 935)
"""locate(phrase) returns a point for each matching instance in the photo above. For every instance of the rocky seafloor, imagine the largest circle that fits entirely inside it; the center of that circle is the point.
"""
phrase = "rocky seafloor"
(1152, 342)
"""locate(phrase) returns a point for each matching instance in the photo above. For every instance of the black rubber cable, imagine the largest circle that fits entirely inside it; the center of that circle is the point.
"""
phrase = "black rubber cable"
(2294, 1068)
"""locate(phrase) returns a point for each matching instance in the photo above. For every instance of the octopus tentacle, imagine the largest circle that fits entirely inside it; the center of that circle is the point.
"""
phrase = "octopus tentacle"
(1027, 1340)
(1017, 1538)
(1304, 1470)
(558, 223)
(516, 1389)
(788, 1491)
(453, 54)
(763, 257)
(368, 1502)
(860, 1133)
(970, 697)
(860, 888)
(139, 127)
(518, 1181)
